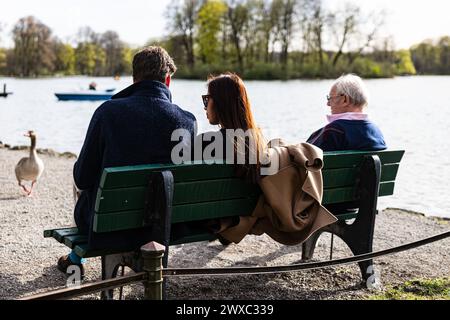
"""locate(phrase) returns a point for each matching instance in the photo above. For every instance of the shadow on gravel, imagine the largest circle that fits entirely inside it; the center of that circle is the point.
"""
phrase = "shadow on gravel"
(253, 287)
(12, 288)
(11, 198)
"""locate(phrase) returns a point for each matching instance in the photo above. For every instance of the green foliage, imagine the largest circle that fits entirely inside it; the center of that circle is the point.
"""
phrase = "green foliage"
(65, 59)
(255, 38)
(209, 22)
(85, 58)
(265, 71)
(425, 289)
(2, 61)
(202, 71)
(427, 58)
(126, 61)
(404, 63)
(33, 54)
(366, 68)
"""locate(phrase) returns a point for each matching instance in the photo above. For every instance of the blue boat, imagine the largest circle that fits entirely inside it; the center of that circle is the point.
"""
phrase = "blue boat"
(90, 95)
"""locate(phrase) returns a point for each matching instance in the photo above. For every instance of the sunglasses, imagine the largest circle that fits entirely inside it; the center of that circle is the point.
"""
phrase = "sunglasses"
(205, 99)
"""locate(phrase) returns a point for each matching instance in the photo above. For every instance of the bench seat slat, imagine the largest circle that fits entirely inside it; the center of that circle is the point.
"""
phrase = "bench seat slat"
(60, 234)
(83, 251)
(72, 241)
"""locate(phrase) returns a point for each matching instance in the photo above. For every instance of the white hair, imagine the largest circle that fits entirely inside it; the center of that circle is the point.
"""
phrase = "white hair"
(353, 87)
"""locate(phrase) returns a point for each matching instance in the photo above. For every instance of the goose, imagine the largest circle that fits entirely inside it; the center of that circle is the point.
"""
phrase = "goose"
(29, 168)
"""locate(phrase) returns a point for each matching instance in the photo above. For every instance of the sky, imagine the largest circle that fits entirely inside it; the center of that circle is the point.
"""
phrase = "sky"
(137, 21)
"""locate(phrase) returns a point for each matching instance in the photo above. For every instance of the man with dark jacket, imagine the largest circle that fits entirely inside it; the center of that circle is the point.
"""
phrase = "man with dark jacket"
(133, 128)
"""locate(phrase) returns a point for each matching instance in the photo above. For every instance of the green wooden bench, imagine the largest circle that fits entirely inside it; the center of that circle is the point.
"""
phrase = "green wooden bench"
(171, 197)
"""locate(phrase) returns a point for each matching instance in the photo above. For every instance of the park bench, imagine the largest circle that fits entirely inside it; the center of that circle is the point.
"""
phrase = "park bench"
(184, 197)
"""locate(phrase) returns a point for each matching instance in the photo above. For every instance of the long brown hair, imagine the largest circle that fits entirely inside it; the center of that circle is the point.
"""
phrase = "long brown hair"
(233, 110)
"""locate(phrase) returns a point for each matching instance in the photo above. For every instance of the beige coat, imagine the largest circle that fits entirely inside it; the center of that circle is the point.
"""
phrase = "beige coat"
(290, 209)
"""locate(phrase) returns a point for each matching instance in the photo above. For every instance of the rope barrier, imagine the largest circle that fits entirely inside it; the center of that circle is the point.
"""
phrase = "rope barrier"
(172, 272)
(176, 272)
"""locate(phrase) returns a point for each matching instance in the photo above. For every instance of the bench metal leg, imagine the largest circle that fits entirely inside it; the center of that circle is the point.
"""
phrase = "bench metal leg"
(359, 235)
(110, 266)
(309, 246)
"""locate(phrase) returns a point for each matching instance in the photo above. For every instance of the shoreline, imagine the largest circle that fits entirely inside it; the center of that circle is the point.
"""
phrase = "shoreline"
(42, 151)
(29, 261)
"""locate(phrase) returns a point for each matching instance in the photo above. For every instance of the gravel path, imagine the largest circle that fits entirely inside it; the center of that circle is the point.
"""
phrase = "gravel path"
(27, 260)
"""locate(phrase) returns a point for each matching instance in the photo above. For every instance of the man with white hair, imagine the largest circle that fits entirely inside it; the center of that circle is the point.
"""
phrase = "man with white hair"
(349, 126)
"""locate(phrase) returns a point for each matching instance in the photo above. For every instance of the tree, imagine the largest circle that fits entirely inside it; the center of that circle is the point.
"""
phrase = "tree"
(33, 54)
(255, 36)
(2, 61)
(426, 57)
(182, 15)
(313, 21)
(268, 23)
(404, 63)
(113, 48)
(237, 18)
(444, 55)
(65, 58)
(285, 26)
(209, 23)
(344, 25)
(365, 32)
(85, 58)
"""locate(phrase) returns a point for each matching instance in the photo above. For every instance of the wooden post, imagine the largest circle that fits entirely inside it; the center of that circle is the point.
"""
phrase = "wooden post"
(152, 254)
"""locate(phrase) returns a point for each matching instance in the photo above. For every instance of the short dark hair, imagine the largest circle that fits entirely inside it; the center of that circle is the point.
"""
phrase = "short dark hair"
(152, 63)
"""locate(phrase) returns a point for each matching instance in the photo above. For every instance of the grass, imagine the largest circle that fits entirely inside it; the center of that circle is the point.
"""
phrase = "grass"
(422, 289)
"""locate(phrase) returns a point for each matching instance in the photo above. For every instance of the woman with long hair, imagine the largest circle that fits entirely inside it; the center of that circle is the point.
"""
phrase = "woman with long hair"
(227, 105)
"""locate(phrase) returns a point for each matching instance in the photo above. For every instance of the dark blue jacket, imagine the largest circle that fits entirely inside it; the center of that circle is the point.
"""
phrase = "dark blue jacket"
(133, 128)
(342, 135)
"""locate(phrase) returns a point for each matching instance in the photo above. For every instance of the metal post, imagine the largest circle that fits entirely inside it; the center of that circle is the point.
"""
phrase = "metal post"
(152, 254)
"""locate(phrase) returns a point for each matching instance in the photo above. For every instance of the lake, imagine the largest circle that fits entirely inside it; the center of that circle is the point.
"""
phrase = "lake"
(413, 113)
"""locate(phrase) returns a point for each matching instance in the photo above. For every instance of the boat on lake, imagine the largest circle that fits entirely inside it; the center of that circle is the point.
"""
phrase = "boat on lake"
(88, 95)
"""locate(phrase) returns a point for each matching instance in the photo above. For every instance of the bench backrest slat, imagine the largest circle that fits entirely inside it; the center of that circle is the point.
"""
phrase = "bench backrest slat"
(124, 177)
(133, 198)
(124, 220)
(204, 191)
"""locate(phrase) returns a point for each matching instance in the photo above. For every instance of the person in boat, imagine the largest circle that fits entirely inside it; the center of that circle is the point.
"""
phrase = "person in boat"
(133, 128)
(93, 86)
